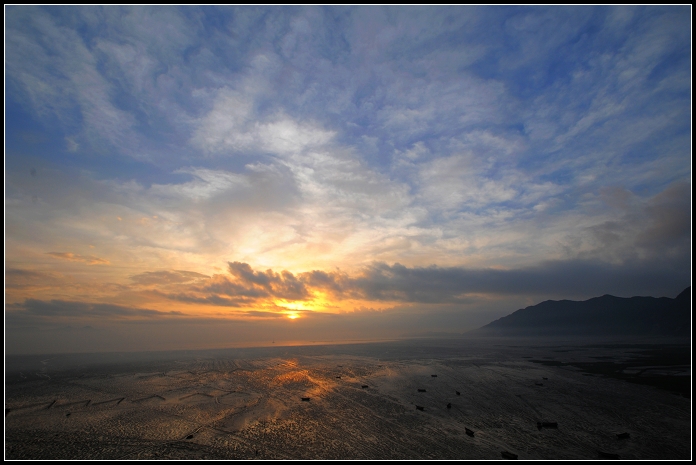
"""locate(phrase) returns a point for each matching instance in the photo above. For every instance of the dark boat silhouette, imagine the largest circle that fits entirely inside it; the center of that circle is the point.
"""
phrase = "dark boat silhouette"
(547, 424)
(305, 399)
(364, 386)
(338, 377)
(508, 455)
(434, 376)
(469, 432)
(458, 393)
(608, 455)
(449, 405)
(623, 435)
(539, 384)
(544, 378)
(421, 390)
(418, 407)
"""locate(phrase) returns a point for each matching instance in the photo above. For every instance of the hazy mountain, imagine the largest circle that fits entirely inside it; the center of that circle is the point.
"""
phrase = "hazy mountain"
(599, 316)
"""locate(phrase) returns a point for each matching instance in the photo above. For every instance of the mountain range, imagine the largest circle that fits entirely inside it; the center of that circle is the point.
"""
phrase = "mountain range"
(600, 316)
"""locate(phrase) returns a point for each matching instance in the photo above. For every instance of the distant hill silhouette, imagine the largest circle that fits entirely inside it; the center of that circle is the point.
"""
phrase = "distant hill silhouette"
(600, 316)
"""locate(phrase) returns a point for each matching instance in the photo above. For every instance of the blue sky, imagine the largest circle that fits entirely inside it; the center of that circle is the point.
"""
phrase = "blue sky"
(385, 161)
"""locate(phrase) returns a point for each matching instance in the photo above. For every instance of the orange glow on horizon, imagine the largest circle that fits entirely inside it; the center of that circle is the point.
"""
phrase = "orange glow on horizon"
(316, 304)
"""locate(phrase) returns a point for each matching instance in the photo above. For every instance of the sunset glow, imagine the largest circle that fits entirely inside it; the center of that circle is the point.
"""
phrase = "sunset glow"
(183, 177)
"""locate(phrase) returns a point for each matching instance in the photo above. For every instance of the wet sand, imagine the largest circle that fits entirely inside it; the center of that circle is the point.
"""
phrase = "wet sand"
(362, 403)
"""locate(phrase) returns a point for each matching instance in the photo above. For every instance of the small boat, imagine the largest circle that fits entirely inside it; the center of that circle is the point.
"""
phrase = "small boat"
(190, 436)
(434, 376)
(421, 390)
(469, 432)
(449, 405)
(547, 424)
(508, 455)
(305, 399)
(623, 435)
(539, 384)
(458, 393)
(338, 377)
(364, 386)
(608, 455)
(418, 407)
(544, 378)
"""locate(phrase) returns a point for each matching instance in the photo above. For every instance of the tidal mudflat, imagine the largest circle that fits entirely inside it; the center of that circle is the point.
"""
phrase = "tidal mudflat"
(415, 399)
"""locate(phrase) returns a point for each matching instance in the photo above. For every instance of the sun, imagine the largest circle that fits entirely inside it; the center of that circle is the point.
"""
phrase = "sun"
(293, 316)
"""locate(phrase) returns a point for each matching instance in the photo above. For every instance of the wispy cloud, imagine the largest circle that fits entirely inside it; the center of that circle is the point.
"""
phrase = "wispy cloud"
(17, 278)
(73, 257)
(166, 277)
(82, 310)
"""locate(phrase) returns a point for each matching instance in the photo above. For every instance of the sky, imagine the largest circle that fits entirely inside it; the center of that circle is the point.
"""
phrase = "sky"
(185, 177)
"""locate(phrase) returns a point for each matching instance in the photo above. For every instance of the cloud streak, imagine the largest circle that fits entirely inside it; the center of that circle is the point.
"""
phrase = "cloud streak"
(164, 277)
(73, 257)
(81, 310)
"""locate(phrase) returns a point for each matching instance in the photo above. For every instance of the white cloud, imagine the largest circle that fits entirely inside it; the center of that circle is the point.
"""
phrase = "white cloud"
(233, 126)
(206, 184)
(460, 182)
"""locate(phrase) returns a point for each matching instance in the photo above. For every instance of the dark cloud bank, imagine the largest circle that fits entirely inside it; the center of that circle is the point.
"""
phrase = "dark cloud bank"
(439, 285)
